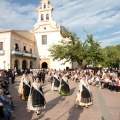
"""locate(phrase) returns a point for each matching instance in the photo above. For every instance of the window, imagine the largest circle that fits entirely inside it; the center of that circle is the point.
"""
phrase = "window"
(1, 45)
(42, 17)
(44, 6)
(44, 39)
(24, 48)
(47, 17)
(31, 50)
(16, 47)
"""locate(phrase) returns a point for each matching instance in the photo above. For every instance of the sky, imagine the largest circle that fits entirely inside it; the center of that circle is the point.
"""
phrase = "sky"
(98, 17)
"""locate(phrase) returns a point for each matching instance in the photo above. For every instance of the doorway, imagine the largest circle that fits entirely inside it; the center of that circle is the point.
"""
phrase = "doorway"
(44, 65)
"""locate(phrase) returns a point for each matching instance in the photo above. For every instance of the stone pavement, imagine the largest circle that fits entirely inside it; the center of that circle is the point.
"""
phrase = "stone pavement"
(106, 105)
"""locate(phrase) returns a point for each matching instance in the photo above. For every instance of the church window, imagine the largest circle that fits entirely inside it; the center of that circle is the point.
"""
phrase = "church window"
(44, 6)
(47, 17)
(42, 17)
(44, 39)
(1, 45)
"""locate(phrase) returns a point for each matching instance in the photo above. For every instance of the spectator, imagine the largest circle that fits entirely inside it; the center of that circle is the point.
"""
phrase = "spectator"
(117, 85)
(13, 76)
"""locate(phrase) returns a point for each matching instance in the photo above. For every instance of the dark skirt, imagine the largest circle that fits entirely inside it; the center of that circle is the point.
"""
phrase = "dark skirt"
(1, 112)
(64, 90)
(117, 88)
(85, 95)
(38, 99)
(26, 91)
(56, 82)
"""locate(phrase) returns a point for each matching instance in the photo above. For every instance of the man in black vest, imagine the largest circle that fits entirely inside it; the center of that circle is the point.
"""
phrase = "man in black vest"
(13, 76)
(39, 75)
(43, 76)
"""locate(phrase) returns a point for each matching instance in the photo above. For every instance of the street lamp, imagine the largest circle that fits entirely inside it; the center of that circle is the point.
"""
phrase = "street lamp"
(4, 64)
(8, 66)
(39, 61)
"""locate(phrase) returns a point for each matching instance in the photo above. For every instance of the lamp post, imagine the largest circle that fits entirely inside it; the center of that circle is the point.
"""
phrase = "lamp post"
(39, 61)
(4, 64)
(8, 65)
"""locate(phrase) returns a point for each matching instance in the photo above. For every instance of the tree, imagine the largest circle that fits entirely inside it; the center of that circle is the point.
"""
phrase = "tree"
(112, 56)
(94, 51)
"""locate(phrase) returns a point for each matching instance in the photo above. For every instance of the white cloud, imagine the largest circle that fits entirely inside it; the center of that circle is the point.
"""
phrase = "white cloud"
(16, 16)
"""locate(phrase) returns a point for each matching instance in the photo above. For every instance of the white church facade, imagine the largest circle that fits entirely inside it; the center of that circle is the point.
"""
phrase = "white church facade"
(29, 49)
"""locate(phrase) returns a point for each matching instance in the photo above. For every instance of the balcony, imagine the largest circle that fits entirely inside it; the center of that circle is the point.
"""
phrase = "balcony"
(19, 53)
(29, 55)
(2, 52)
(24, 54)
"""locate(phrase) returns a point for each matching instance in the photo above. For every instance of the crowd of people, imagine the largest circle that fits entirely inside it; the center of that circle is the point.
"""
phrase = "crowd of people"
(30, 88)
(6, 100)
(59, 80)
(102, 78)
(105, 80)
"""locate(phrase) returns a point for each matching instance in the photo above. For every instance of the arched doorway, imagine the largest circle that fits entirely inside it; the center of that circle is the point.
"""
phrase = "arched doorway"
(24, 64)
(44, 65)
(16, 64)
(31, 64)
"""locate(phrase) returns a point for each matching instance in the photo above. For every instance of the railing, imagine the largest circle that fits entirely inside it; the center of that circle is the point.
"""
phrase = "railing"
(17, 53)
(23, 54)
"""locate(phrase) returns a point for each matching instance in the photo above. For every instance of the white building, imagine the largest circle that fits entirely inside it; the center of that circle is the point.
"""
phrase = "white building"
(17, 50)
(33, 46)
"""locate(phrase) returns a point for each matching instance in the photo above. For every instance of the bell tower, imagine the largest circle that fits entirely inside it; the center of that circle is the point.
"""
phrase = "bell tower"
(45, 10)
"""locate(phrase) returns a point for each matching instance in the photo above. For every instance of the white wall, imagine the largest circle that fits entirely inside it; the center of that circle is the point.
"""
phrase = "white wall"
(52, 38)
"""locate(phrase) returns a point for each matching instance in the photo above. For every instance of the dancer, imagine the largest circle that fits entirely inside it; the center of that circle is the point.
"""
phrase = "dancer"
(83, 95)
(36, 100)
(64, 86)
(24, 88)
(55, 82)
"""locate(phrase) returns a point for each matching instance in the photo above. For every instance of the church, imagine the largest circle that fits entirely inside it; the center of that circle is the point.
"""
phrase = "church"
(20, 49)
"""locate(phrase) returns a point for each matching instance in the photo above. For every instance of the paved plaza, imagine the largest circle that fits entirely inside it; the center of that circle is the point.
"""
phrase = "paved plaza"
(106, 104)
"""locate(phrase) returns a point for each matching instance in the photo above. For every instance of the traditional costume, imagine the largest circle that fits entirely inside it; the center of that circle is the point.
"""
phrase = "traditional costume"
(24, 88)
(64, 87)
(36, 100)
(55, 83)
(83, 95)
